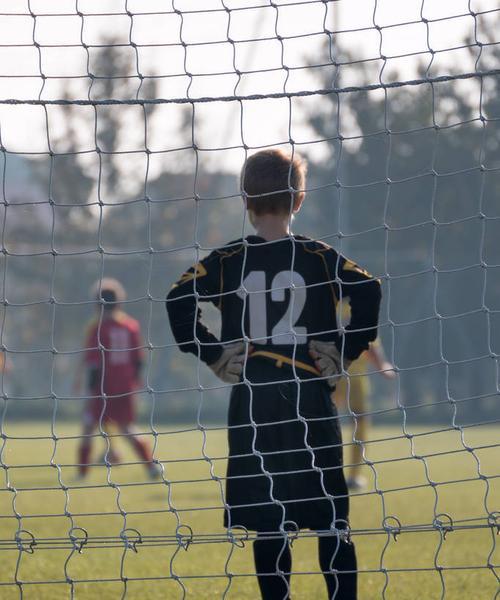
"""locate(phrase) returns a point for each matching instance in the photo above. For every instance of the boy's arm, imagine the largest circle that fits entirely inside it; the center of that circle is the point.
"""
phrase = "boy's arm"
(376, 356)
(201, 283)
(93, 358)
(137, 352)
(363, 291)
(364, 295)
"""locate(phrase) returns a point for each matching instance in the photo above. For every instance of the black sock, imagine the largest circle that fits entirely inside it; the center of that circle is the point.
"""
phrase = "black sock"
(340, 556)
(271, 556)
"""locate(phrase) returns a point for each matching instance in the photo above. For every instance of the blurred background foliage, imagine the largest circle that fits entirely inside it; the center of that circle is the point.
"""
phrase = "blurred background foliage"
(408, 185)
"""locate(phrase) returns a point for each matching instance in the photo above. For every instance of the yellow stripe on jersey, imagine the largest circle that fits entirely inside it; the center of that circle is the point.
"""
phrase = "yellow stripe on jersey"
(320, 252)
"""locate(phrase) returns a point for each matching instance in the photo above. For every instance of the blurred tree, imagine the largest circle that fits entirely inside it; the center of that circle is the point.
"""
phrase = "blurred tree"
(120, 130)
(407, 179)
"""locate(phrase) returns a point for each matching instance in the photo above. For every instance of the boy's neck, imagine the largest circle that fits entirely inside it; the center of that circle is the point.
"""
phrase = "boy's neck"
(270, 226)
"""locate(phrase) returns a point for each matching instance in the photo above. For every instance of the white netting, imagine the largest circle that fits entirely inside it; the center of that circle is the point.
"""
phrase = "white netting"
(123, 126)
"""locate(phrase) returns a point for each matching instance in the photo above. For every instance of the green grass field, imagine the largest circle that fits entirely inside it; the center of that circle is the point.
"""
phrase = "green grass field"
(406, 568)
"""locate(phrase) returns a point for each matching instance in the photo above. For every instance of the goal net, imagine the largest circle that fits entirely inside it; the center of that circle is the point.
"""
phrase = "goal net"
(123, 129)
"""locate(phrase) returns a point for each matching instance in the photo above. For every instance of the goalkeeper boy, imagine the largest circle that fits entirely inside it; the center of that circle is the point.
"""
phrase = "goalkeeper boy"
(281, 348)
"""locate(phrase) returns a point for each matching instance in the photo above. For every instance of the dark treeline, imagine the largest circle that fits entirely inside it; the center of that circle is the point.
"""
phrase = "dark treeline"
(407, 184)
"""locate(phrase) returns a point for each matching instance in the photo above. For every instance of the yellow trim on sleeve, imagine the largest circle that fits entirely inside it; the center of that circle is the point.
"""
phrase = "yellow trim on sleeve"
(352, 266)
(198, 271)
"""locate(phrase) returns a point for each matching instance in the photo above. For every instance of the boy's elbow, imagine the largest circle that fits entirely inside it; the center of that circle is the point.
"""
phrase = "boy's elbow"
(173, 308)
(373, 291)
(172, 300)
(373, 299)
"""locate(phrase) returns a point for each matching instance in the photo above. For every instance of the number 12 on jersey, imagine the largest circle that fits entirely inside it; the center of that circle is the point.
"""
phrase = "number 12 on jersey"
(256, 295)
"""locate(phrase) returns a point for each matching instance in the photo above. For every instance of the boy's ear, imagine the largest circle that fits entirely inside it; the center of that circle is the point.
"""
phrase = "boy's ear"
(251, 216)
(297, 201)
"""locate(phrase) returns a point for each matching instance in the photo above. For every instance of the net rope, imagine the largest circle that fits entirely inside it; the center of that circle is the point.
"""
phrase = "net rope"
(56, 241)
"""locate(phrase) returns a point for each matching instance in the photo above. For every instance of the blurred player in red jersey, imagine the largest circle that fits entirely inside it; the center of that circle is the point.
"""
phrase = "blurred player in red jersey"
(113, 362)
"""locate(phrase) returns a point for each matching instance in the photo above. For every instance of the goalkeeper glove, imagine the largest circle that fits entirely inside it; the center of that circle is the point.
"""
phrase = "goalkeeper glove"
(229, 366)
(328, 360)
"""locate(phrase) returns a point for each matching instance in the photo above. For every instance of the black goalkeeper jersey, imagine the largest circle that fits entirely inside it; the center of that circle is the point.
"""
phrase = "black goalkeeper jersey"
(278, 296)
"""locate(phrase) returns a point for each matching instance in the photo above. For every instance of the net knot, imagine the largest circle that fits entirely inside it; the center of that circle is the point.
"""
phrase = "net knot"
(23, 544)
(391, 528)
(494, 521)
(78, 541)
(291, 530)
(131, 542)
(344, 532)
(184, 539)
(443, 523)
(237, 540)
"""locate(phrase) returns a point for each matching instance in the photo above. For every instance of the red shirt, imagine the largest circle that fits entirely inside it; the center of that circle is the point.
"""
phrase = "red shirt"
(114, 349)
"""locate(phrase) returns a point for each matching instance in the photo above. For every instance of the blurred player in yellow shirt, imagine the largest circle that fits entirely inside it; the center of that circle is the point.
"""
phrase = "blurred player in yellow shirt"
(353, 393)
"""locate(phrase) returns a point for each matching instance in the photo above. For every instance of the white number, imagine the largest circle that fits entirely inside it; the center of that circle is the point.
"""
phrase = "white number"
(255, 285)
(120, 343)
(285, 331)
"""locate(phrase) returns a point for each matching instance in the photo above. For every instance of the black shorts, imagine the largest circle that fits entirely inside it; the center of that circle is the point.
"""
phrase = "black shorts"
(285, 453)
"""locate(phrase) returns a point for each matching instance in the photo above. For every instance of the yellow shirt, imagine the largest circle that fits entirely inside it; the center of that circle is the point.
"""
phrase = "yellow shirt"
(359, 385)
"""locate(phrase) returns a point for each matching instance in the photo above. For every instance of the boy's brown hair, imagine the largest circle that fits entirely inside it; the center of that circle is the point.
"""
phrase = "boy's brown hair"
(110, 291)
(271, 179)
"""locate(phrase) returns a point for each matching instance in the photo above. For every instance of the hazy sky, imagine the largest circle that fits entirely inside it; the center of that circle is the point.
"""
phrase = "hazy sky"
(210, 42)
